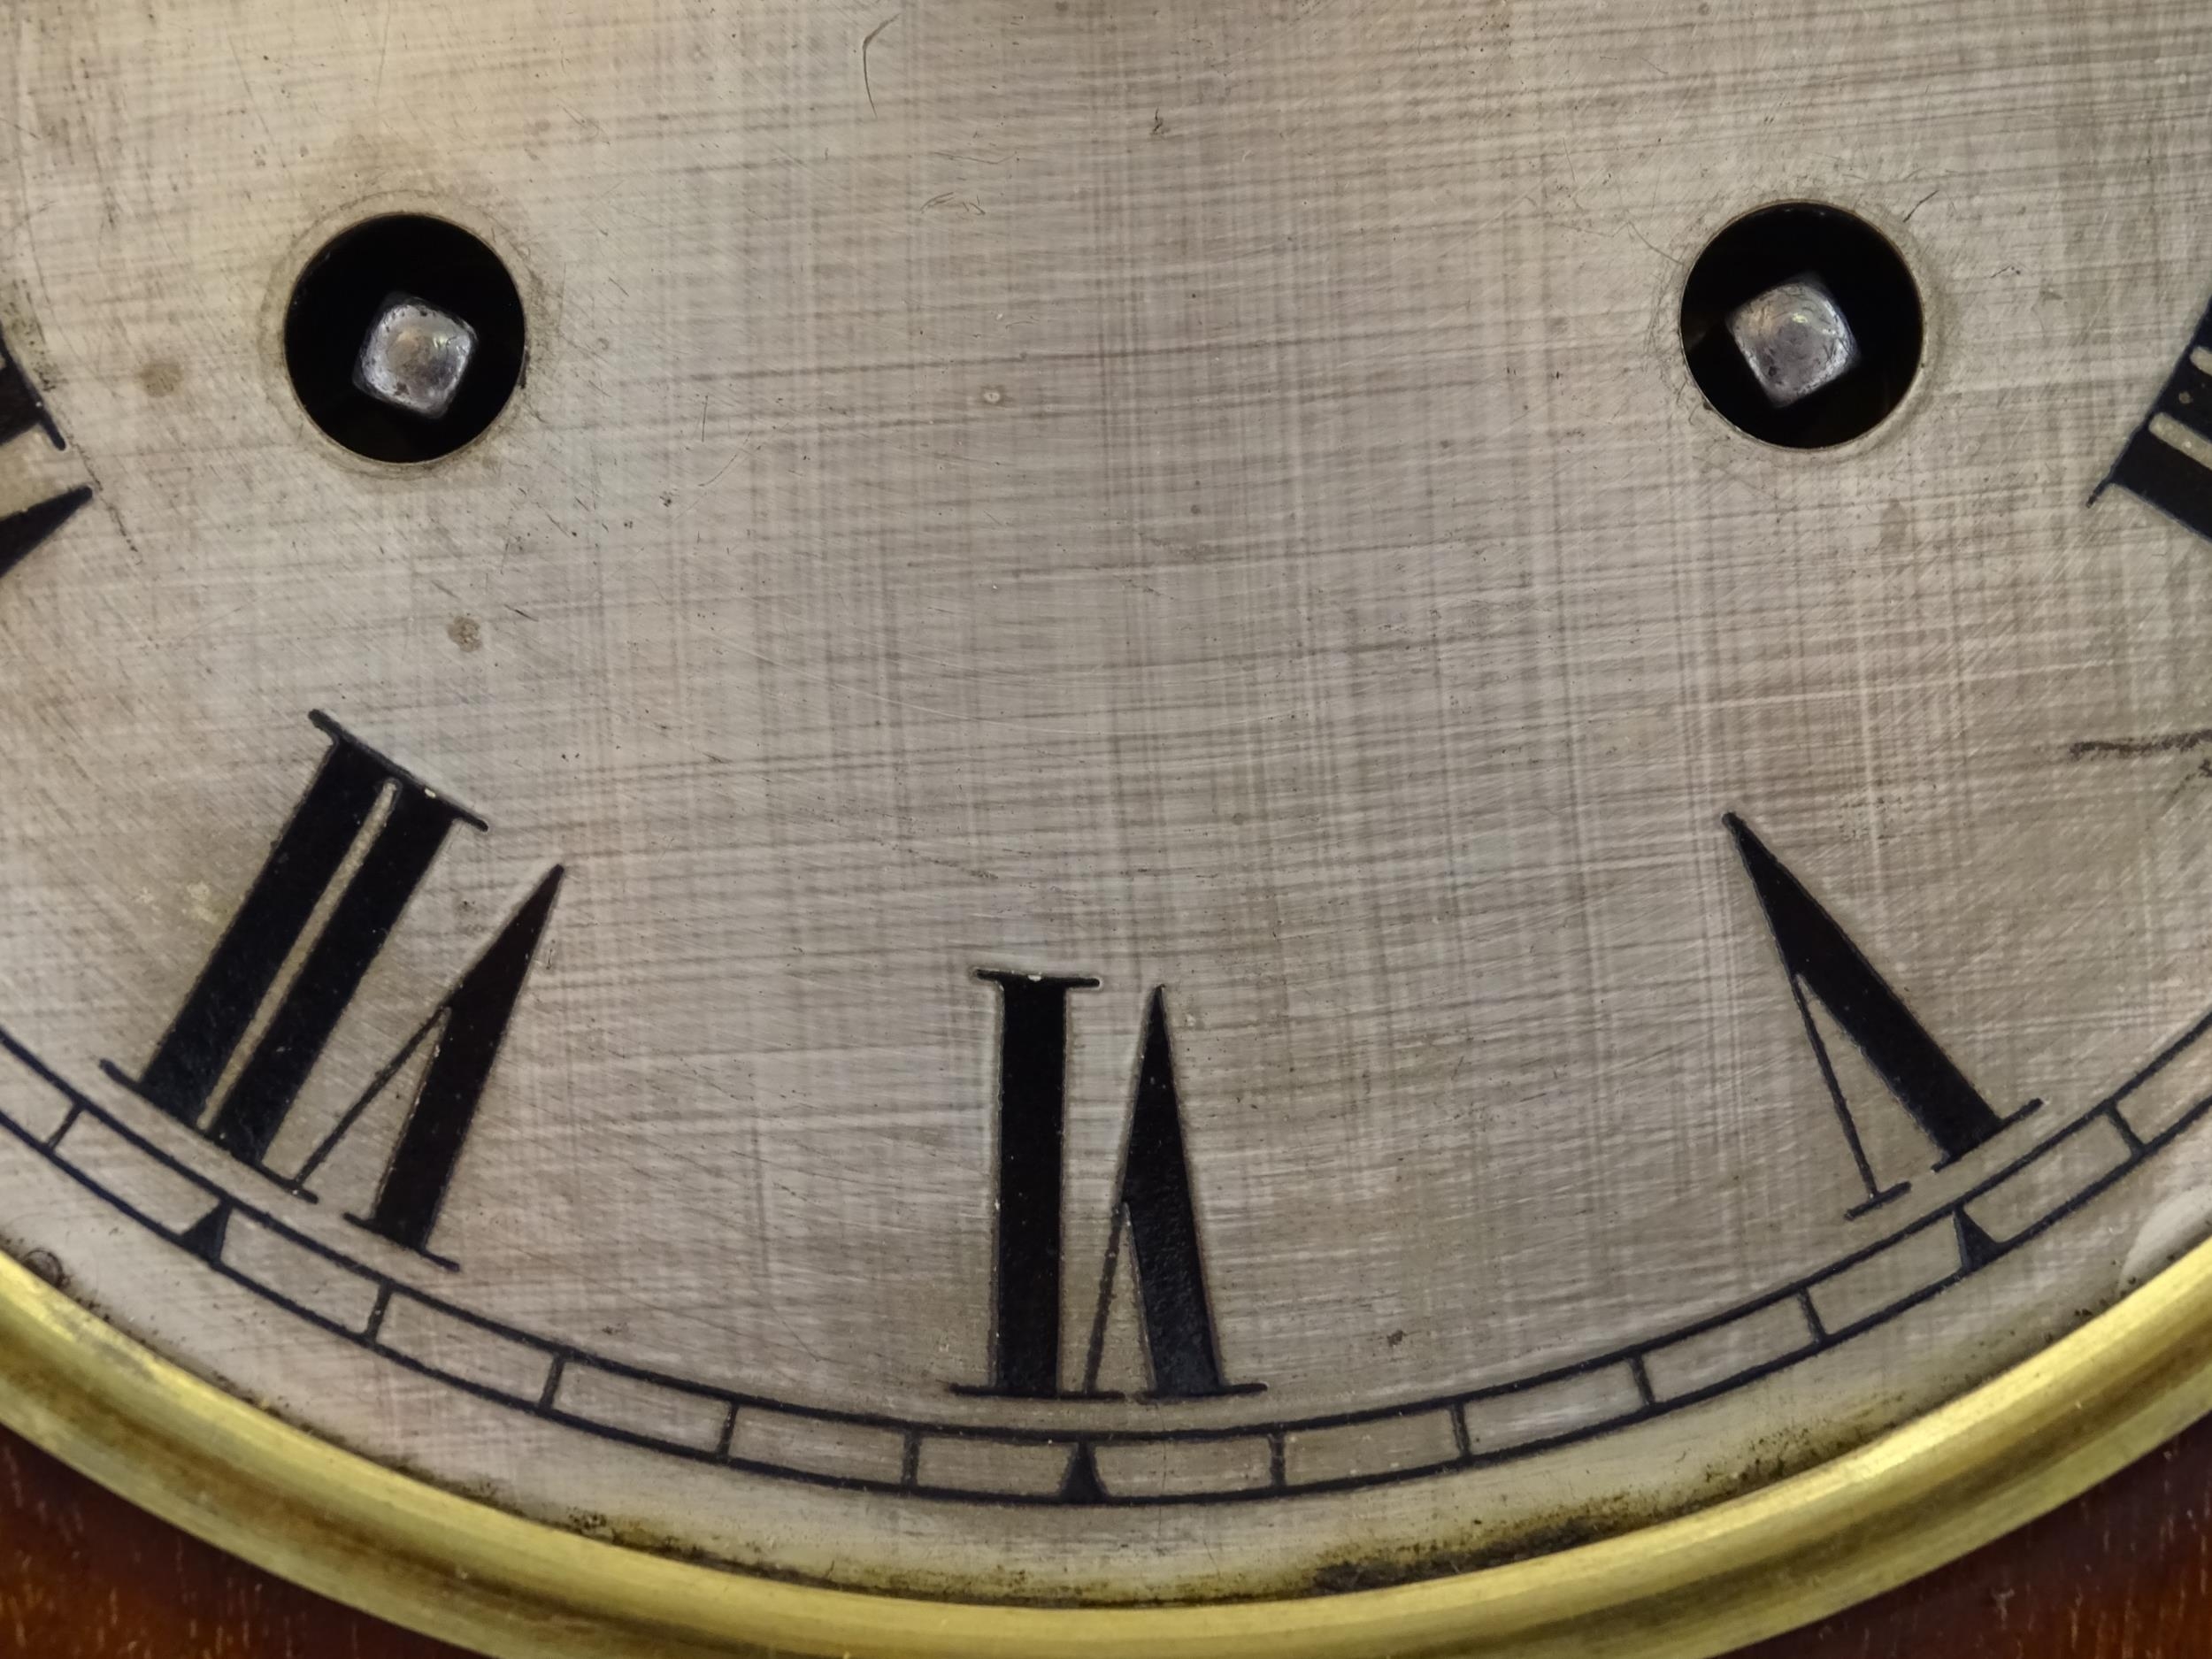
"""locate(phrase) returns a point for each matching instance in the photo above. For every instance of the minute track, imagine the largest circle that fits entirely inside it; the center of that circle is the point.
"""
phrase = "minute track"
(1976, 1252)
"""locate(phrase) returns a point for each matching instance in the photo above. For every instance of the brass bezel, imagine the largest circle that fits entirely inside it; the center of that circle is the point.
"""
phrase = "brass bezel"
(1752, 1567)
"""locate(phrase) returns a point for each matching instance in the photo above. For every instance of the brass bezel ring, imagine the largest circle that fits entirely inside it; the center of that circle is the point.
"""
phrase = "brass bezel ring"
(1748, 1568)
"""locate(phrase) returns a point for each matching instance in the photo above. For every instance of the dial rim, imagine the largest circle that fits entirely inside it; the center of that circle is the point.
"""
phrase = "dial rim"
(1807, 1546)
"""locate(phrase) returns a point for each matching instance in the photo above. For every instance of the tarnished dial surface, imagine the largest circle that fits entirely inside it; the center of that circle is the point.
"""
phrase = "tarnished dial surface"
(1109, 849)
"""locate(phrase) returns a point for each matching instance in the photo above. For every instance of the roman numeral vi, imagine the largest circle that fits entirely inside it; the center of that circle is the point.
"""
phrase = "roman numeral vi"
(1155, 1218)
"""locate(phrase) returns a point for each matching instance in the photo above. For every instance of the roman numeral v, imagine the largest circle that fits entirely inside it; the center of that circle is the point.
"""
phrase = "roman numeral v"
(239, 984)
(1822, 964)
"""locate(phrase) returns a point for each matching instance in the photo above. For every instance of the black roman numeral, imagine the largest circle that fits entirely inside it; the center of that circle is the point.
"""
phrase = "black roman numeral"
(21, 407)
(1154, 1214)
(23, 534)
(2155, 471)
(465, 1030)
(206, 1033)
(1032, 1130)
(1821, 961)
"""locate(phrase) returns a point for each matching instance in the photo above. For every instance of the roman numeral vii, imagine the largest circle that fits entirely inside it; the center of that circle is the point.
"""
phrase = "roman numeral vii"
(238, 987)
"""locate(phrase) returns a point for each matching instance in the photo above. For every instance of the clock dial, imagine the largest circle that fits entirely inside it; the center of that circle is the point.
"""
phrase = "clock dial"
(1044, 804)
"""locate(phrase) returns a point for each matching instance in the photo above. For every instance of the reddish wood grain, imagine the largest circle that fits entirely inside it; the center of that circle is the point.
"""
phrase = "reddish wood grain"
(2124, 1574)
(83, 1575)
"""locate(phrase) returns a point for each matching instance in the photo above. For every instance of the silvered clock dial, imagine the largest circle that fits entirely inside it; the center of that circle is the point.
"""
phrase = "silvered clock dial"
(1061, 808)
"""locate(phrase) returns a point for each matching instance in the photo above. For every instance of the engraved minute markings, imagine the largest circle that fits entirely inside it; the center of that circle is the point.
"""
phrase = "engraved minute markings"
(359, 844)
(23, 410)
(1150, 1460)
